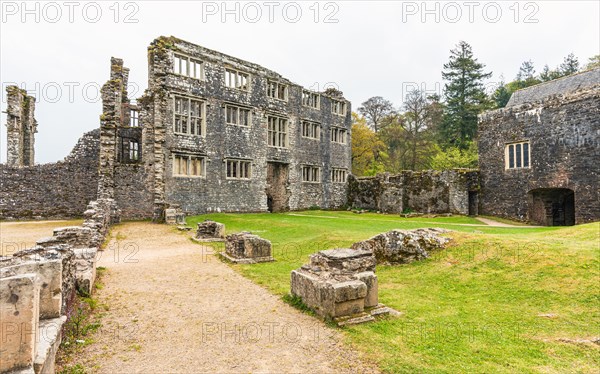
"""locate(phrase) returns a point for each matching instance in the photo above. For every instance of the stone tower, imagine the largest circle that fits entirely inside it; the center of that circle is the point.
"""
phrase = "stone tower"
(21, 127)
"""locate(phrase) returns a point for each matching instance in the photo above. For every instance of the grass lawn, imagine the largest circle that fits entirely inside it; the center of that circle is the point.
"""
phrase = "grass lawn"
(497, 300)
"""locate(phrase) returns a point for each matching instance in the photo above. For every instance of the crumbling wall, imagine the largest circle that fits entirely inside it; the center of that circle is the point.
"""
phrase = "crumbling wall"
(563, 133)
(424, 192)
(56, 190)
(21, 127)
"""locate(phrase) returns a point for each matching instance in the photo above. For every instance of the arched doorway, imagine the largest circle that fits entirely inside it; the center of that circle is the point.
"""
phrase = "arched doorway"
(552, 206)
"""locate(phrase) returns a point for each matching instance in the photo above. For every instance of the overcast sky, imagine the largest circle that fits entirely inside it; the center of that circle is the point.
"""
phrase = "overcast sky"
(60, 51)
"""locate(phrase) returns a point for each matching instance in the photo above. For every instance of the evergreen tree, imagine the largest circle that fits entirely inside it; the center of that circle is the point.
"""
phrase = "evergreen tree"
(526, 76)
(501, 95)
(465, 95)
(548, 75)
(569, 66)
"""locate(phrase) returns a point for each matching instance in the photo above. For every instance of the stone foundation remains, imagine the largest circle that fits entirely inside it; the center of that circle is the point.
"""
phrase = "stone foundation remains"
(340, 284)
(404, 246)
(39, 285)
(245, 248)
(210, 231)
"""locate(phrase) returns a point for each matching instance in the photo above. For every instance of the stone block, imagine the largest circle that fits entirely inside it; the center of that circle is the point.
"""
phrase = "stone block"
(85, 268)
(50, 336)
(210, 230)
(370, 280)
(19, 313)
(49, 275)
(247, 248)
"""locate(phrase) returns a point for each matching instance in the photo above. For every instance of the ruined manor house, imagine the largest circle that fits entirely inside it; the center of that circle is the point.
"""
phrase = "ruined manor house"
(213, 133)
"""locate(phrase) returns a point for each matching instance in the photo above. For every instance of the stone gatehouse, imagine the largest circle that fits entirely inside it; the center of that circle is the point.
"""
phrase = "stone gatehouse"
(539, 156)
(212, 133)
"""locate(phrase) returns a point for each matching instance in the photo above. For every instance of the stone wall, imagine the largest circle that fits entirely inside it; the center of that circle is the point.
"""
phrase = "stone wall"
(213, 191)
(56, 190)
(424, 192)
(562, 127)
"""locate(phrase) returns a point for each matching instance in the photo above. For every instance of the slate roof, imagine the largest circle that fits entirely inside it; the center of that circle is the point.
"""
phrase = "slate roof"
(555, 87)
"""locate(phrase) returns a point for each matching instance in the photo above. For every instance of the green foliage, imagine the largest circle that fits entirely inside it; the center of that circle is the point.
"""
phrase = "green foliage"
(594, 62)
(501, 95)
(455, 158)
(465, 96)
(368, 150)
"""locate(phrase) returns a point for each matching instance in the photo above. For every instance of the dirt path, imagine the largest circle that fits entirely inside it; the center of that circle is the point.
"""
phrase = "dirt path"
(173, 307)
(491, 222)
(16, 236)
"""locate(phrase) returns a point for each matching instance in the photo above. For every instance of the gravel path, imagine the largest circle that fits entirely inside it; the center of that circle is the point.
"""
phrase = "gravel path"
(173, 307)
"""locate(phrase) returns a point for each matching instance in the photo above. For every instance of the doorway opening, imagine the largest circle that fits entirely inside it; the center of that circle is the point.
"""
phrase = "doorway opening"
(552, 206)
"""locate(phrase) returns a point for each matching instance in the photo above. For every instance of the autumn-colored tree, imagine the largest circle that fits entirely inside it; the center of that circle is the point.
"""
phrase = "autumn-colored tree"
(368, 152)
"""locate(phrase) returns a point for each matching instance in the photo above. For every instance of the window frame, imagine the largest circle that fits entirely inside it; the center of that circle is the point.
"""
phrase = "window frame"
(175, 171)
(189, 62)
(238, 74)
(310, 174)
(339, 131)
(134, 119)
(306, 95)
(275, 135)
(240, 172)
(238, 110)
(276, 89)
(341, 107)
(202, 117)
(336, 172)
(313, 125)
(515, 155)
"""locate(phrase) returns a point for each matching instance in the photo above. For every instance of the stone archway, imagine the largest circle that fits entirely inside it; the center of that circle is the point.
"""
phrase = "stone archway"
(552, 206)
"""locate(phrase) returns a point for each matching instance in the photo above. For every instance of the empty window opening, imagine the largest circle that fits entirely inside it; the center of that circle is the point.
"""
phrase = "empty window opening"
(277, 134)
(311, 174)
(238, 169)
(311, 130)
(188, 116)
(277, 90)
(237, 79)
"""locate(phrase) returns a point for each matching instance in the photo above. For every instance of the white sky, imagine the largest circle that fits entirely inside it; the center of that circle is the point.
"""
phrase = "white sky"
(376, 48)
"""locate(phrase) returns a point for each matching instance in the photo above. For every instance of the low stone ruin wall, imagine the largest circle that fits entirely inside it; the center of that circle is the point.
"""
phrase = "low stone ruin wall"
(57, 190)
(38, 287)
(432, 192)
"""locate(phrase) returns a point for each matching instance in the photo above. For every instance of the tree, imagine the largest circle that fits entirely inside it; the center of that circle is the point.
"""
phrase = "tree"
(526, 76)
(501, 95)
(455, 158)
(569, 66)
(367, 150)
(465, 95)
(548, 75)
(417, 120)
(594, 62)
(375, 109)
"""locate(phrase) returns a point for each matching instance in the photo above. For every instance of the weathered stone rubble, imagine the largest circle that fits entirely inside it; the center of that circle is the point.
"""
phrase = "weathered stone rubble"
(404, 246)
(246, 248)
(340, 284)
(210, 230)
(39, 285)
